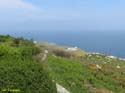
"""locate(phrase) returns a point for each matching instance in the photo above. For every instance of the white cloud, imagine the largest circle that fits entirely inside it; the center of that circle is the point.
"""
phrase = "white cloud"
(18, 11)
(17, 4)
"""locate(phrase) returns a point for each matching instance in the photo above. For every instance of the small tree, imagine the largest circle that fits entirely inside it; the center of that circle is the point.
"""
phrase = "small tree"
(63, 53)
(16, 42)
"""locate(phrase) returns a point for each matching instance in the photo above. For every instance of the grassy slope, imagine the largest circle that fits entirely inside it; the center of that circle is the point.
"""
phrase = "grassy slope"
(69, 73)
(78, 76)
(18, 70)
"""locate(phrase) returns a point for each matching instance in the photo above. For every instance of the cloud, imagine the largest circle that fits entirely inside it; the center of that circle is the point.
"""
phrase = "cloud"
(18, 11)
(17, 4)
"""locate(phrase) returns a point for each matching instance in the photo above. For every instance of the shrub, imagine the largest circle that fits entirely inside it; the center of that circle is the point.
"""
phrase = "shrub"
(18, 70)
(3, 51)
(63, 53)
(29, 51)
(27, 76)
(4, 38)
(16, 42)
(8, 51)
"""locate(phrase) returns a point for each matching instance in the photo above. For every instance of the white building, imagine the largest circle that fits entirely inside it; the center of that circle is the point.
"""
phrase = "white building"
(112, 57)
(72, 49)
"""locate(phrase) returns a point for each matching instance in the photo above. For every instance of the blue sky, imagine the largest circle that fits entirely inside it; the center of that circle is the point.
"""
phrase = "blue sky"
(62, 15)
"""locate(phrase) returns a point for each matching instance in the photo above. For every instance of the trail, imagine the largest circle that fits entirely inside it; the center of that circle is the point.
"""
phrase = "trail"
(43, 57)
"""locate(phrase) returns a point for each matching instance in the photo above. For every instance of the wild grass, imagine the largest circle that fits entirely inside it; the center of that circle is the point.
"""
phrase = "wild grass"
(18, 69)
(73, 73)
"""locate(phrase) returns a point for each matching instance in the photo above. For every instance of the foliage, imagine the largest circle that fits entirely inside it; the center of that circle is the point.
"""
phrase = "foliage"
(28, 76)
(18, 69)
(72, 74)
(63, 53)
(69, 73)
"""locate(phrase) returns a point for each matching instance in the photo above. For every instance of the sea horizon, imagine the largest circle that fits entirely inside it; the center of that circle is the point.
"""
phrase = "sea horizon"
(106, 43)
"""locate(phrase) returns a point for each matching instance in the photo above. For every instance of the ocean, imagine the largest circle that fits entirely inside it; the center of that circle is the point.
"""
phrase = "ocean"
(109, 42)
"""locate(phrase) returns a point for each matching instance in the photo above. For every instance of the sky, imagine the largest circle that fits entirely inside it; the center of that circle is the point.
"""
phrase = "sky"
(62, 15)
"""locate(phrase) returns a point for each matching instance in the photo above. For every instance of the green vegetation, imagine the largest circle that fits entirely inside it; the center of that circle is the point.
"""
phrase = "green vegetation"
(82, 76)
(61, 50)
(62, 53)
(91, 73)
(69, 73)
(22, 69)
(19, 71)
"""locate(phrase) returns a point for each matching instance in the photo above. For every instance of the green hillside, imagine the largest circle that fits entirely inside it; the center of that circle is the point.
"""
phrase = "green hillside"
(19, 72)
(84, 77)
(27, 67)
(90, 73)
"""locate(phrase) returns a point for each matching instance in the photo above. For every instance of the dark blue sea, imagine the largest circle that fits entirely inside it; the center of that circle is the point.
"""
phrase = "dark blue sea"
(107, 42)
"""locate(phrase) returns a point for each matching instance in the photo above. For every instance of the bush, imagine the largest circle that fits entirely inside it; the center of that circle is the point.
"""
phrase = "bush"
(4, 38)
(21, 42)
(8, 51)
(27, 76)
(29, 51)
(19, 71)
(3, 50)
(63, 53)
